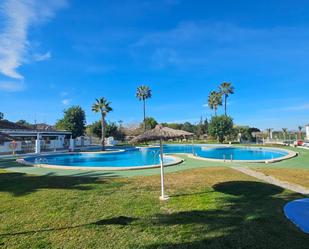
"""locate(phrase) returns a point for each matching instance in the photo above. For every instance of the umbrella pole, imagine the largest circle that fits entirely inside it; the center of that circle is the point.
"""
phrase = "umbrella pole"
(162, 197)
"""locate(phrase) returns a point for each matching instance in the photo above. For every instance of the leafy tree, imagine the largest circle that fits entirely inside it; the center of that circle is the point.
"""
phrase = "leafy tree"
(103, 107)
(225, 90)
(143, 93)
(202, 127)
(149, 123)
(74, 120)
(187, 126)
(175, 126)
(214, 100)
(245, 131)
(111, 130)
(1, 115)
(23, 122)
(220, 127)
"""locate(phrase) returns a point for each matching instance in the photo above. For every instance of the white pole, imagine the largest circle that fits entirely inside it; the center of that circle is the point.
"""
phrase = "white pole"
(193, 152)
(38, 144)
(162, 197)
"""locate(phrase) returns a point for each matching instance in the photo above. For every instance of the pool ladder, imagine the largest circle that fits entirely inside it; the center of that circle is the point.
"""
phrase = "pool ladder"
(224, 158)
(42, 160)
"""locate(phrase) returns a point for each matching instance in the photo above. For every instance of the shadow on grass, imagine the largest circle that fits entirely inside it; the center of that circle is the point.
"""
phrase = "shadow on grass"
(251, 218)
(120, 220)
(8, 163)
(20, 184)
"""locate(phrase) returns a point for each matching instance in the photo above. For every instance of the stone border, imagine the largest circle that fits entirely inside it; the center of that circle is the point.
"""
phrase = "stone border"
(99, 152)
(176, 161)
(290, 154)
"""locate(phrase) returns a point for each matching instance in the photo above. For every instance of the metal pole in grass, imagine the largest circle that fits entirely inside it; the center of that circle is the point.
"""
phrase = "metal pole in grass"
(163, 197)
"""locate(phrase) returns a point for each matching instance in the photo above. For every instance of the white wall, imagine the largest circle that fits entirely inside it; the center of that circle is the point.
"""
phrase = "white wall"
(55, 144)
(307, 132)
(87, 141)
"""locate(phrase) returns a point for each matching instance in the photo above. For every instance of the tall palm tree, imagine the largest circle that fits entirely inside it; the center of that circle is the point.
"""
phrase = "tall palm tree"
(226, 89)
(214, 100)
(300, 128)
(285, 131)
(102, 106)
(143, 93)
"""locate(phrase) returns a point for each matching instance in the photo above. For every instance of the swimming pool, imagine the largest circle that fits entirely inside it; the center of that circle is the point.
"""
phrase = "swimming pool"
(239, 154)
(111, 160)
(138, 158)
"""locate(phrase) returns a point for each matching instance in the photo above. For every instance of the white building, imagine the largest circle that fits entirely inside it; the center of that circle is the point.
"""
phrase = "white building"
(25, 140)
(307, 131)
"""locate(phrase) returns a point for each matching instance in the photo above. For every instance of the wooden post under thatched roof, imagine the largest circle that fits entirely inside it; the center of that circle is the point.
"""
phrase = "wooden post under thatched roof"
(161, 133)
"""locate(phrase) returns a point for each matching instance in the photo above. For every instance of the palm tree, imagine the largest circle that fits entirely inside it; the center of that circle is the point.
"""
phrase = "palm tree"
(300, 128)
(102, 106)
(284, 130)
(142, 93)
(225, 90)
(214, 100)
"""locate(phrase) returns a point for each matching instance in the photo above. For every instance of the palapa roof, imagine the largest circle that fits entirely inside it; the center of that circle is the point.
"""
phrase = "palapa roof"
(160, 132)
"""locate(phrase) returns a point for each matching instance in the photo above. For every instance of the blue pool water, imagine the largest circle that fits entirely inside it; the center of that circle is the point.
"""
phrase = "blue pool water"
(150, 156)
(228, 153)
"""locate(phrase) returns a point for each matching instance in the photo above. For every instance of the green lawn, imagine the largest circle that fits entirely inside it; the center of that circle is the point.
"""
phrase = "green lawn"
(210, 207)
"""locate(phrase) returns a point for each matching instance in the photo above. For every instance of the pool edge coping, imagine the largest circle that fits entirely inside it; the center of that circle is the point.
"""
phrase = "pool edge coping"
(290, 155)
(176, 161)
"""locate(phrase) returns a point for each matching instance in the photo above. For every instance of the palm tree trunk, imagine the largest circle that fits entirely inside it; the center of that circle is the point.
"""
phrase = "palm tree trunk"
(103, 133)
(144, 108)
(215, 111)
(225, 97)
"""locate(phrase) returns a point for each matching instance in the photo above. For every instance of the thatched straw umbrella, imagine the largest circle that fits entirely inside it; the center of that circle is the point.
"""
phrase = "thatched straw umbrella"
(161, 133)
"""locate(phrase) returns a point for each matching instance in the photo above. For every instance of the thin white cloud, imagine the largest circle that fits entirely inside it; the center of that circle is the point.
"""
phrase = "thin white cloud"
(301, 107)
(63, 93)
(42, 57)
(66, 101)
(11, 86)
(192, 44)
(17, 17)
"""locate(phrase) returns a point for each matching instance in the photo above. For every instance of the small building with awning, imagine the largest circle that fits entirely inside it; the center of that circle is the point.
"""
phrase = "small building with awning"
(25, 138)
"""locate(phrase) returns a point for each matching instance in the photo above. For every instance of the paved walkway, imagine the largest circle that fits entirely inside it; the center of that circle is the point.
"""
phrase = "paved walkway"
(272, 180)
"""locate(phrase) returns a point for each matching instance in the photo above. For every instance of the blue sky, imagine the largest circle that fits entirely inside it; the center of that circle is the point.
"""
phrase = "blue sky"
(58, 53)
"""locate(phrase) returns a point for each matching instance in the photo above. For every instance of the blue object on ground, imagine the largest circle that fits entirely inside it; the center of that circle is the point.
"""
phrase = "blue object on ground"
(298, 212)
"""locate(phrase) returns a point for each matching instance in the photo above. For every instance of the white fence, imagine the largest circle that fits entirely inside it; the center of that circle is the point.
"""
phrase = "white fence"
(28, 146)
(5, 147)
